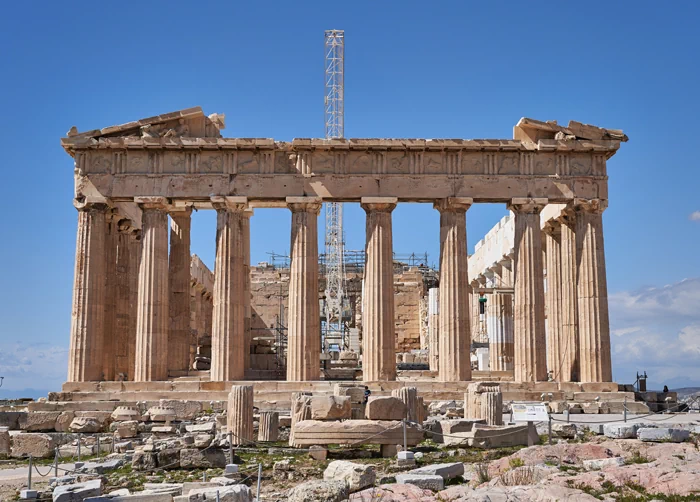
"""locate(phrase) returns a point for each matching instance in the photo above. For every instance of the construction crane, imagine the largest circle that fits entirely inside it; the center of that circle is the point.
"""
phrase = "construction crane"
(334, 260)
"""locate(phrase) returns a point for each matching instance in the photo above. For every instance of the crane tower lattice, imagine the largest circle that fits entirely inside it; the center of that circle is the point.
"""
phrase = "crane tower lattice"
(334, 332)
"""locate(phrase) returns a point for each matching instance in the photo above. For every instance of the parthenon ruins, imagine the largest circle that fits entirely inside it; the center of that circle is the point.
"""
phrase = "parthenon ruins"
(133, 312)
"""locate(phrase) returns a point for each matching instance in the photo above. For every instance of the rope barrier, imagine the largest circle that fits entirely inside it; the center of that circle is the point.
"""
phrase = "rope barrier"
(629, 419)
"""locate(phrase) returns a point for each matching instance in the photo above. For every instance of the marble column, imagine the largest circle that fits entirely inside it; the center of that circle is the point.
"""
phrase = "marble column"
(555, 343)
(303, 319)
(592, 289)
(153, 316)
(122, 308)
(474, 309)
(247, 293)
(455, 340)
(134, 249)
(508, 323)
(378, 337)
(179, 289)
(239, 416)
(228, 326)
(434, 328)
(500, 313)
(87, 316)
(530, 338)
(569, 298)
(109, 347)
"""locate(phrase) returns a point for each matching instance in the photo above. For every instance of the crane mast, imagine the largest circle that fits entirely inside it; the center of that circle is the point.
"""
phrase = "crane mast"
(334, 332)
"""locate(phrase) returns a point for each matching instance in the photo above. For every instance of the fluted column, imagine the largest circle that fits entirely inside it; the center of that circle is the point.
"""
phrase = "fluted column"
(87, 316)
(134, 267)
(496, 330)
(455, 340)
(109, 347)
(507, 315)
(530, 339)
(246, 290)
(228, 326)
(569, 298)
(179, 289)
(593, 318)
(474, 310)
(153, 316)
(269, 426)
(555, 344)
(303, 321)
(434, 328)
(239, 416)
(378, 337)
(123, 312)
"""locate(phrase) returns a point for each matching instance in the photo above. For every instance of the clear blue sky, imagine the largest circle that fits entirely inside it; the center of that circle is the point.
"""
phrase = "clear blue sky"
(447, 69)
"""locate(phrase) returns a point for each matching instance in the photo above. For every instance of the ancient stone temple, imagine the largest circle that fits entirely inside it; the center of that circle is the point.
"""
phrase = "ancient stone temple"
(136, 294)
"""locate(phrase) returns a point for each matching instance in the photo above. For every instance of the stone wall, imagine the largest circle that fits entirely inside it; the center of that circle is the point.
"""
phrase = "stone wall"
(270, 295)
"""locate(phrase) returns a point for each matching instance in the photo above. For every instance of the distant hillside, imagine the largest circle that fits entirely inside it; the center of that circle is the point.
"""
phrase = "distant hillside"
(687, 391)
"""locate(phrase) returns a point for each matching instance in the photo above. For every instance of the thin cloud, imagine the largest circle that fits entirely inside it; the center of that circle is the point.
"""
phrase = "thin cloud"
(695, 216)
(657, 330)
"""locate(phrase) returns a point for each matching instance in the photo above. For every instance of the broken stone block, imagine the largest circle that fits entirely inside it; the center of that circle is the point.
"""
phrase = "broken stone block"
(330, 408)
(123, 447)
(78, 492)
(318, 452)
(663, 434)
(191, 458)
(169, 458)
(39, 421)
(184, 410)
(601, 463)
(161, 414)
(425, 481)
(163, 430)
(143, 461)
(319, 491)
(620, 431)
(446, 471)
(128, 429)
(453, 432)
(385, 408)
(35, 444)
(565, 431)
(125, 414)
(355, 476)
(63, 421)
(85, 425)
(5, 448)
(233, 493)
(202, 440)
(202, 428)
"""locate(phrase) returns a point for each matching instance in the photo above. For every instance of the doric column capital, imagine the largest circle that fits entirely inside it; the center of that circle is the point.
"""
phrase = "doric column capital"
(247, 213)
(379, 204)
(176, 210)
(232, 203)
(552, 227)
(457, 204)
(155, 202)
(91, 202)
(595, 206)
(304, 204)
(527, 205)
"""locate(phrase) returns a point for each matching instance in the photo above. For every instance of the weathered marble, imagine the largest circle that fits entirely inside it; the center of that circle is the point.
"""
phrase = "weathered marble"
(228, 329)
(530, 340)
(153, 320)
(454, 338)
(304, 326)
(379, 342)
